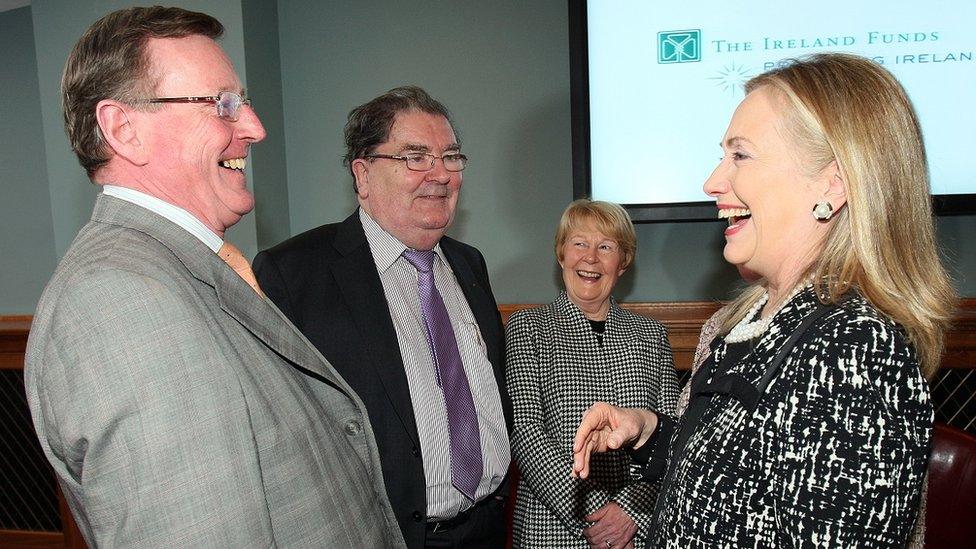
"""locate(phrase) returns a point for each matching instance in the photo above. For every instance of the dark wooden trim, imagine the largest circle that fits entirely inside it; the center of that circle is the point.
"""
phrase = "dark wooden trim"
(13, 341)
(960, 349)
(684, 319)
(29, 539)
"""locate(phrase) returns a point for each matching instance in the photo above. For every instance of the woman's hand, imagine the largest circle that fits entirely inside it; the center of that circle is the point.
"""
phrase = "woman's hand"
(605, 427)
(612, 527)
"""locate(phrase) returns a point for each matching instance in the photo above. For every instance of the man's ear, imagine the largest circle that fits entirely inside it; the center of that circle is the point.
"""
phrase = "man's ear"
(360, 171)
(119, 132)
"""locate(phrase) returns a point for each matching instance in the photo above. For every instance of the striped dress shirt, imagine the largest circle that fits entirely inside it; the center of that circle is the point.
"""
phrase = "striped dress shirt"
(399, 279)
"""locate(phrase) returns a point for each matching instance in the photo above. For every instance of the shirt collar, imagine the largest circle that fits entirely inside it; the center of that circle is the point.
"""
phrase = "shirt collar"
(385, 247)
(177, 215)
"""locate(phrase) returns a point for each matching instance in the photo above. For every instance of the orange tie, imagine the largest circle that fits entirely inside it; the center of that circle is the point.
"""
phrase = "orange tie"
(236, 260)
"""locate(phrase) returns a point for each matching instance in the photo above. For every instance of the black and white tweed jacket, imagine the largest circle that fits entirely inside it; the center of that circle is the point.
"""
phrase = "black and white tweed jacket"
(832, 456)
(555, 369)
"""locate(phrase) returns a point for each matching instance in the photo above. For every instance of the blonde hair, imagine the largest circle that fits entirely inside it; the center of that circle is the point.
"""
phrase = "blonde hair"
(606, 217)
(848, 109)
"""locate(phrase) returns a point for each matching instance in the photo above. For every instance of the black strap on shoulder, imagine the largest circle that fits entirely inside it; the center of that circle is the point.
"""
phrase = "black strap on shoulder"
(774, 366)
(737, 386)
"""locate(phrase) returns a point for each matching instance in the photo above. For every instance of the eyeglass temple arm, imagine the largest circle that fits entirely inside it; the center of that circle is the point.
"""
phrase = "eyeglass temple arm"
(206, 99)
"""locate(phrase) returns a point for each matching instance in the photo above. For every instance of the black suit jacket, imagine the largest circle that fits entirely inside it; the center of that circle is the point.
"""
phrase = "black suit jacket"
(326, 283)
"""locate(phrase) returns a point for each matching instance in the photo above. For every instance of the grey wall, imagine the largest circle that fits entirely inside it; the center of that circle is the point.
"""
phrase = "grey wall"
(57, 26)
(503, 69)
(27, 238)
(270, 173)
(957, 236)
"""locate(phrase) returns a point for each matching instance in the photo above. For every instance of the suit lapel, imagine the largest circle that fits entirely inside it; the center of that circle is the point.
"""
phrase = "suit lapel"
(258, 315)
(485, 311)
(361, 289)
(620, 333)
(478, 298)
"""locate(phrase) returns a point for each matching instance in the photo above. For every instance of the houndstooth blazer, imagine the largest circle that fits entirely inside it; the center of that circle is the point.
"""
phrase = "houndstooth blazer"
(555, 369)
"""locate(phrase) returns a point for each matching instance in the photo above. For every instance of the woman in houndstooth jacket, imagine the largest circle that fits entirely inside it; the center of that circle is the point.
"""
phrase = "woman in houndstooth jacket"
(562, 357)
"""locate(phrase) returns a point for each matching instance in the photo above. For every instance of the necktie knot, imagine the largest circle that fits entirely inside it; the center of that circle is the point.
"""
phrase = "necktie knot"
(235, 260)
(422, 260)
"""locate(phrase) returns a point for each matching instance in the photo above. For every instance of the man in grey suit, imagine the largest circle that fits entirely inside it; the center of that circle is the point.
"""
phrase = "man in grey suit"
(177, 405)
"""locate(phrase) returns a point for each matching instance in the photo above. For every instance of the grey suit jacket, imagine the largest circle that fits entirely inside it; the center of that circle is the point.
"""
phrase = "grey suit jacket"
(179, 408)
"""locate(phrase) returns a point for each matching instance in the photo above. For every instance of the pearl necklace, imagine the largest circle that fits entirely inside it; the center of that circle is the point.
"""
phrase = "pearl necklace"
(746, 330)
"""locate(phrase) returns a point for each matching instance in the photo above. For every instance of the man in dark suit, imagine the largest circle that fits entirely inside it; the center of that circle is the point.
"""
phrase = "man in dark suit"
(421, 343)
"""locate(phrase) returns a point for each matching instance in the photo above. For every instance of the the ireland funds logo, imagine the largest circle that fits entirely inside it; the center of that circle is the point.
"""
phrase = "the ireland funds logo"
(682, 46)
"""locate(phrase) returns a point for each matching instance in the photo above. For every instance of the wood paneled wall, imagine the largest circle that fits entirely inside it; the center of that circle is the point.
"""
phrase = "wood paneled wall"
(683, 321)
(13, 341)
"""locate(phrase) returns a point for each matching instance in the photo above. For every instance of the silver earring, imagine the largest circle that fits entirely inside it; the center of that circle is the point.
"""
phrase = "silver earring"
(823, 210)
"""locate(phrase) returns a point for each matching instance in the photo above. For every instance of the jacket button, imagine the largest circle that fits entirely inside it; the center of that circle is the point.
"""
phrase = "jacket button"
(417, 517)
(415, 451)
(353, 428)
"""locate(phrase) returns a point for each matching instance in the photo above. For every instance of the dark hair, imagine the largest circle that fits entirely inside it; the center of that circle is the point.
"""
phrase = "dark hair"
(369, 124)
(109, 62)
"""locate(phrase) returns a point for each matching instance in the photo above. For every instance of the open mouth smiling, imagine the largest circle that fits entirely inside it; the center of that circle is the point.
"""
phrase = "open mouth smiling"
(735, 216)
(234, 163)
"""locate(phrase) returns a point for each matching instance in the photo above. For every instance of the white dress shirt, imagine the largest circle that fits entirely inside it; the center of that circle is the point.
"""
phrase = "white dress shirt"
(175, 214)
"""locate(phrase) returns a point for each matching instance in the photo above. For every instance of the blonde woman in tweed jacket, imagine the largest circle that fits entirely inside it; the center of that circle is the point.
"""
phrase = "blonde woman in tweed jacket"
(809, 423)
(562, 357)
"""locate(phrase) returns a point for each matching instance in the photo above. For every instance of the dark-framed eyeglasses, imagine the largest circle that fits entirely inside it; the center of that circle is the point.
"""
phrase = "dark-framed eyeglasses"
(228, 103)
(422, 162)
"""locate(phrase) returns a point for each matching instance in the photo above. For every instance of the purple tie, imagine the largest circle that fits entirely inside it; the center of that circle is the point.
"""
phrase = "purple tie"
(462, 420)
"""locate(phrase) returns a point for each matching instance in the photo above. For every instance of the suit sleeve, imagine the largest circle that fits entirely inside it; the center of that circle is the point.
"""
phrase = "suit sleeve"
(272, 283)
(637, 498)
(851, 458)
(543, 463)
(145, 423)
